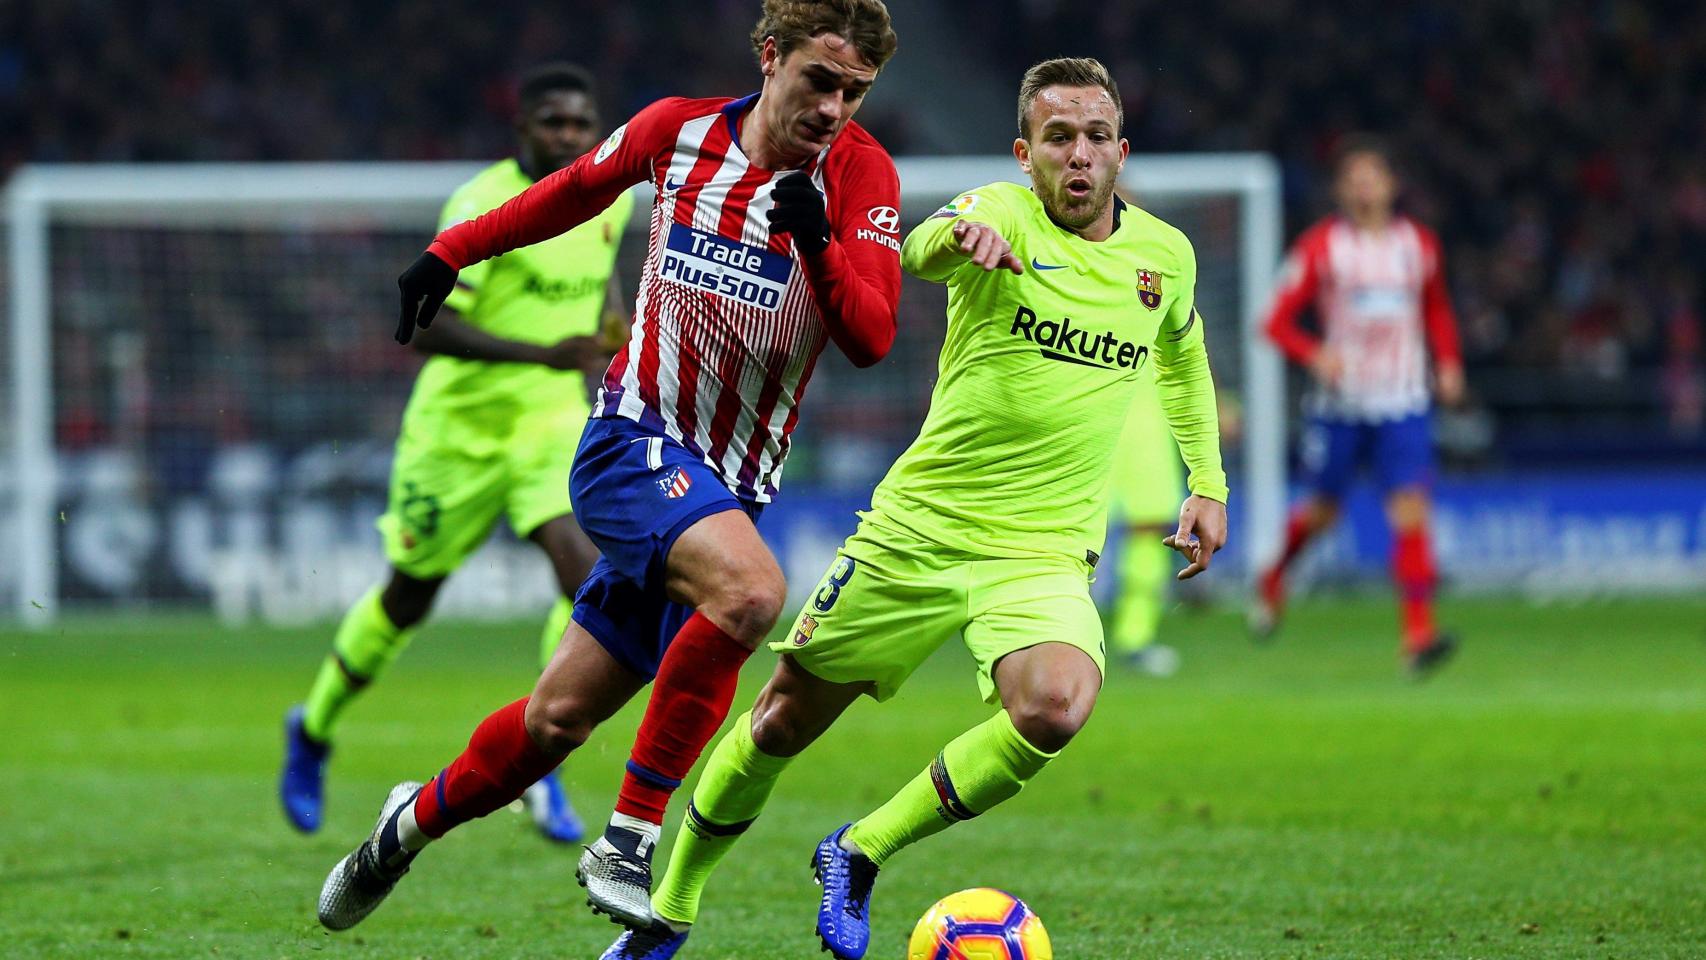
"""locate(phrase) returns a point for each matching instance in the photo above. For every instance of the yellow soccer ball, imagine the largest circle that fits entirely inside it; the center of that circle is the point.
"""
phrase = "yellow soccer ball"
(979, 924)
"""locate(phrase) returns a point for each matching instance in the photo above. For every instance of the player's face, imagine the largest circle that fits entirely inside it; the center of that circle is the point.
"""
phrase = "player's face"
(1367, 187)
(1074, 154)
(811, 93)
(562, 125)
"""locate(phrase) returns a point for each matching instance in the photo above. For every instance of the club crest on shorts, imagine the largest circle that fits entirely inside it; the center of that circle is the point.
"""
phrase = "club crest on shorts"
(1149, 288)
(675, 483)
(803, 631)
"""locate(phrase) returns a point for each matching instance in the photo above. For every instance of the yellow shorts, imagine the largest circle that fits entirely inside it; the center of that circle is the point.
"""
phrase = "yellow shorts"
(444, 503)
(890, 599)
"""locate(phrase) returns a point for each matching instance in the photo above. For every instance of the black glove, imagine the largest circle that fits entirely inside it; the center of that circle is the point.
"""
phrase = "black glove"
(798, 210)
(424, 285)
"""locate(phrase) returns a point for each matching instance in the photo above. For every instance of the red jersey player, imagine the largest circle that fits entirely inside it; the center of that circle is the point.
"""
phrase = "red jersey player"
(1377, 285)
(774, 232)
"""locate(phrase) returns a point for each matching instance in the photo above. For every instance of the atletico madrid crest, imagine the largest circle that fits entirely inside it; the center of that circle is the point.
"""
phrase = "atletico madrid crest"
(1149, 288)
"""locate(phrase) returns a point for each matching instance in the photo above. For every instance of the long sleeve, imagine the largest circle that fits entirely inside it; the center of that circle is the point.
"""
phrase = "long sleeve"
(1186, 388)
(856, 279)
(1438, 320)
(563, 200)
(1300, 282)
(931, 252)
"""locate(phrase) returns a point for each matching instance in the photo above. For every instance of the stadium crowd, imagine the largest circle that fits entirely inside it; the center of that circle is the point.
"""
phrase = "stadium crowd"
(1559, 147)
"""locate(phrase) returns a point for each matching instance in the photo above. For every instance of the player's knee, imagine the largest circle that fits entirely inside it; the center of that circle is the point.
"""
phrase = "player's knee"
(558, 724)
(1050, 719)
(749, 605)
(774, 731)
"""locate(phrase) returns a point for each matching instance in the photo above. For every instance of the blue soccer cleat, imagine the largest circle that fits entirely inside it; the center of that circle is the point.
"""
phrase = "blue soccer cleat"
(656, 942)
(301, 785)
(548, 804)
(844, 915)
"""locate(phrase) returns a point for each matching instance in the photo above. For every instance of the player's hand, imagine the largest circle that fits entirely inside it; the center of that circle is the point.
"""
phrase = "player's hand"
(984, 246)
(1202, 531)
(576, 353)
(1450, 384)
(798, 209)
(424, 286)
(1327, 366)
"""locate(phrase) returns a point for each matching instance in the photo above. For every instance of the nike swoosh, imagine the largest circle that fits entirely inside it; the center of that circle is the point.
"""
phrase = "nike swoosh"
(1046, 266)
(671, 185)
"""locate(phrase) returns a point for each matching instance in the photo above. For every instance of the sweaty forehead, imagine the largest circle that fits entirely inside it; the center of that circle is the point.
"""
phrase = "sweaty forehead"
(1073, 104)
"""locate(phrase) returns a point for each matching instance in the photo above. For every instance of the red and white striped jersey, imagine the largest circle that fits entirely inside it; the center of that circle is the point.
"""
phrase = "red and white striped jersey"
(1378, 295)
(729, 320)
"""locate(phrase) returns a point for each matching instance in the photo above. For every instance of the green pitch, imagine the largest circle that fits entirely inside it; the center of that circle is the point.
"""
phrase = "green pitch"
(1544, 797)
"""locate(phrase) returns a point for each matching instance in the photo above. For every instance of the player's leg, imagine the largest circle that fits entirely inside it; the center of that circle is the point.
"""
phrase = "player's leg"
(721, 568)
(572, 556)
(791, 712)
(1330, 451)
(883, 606)
(442, 507)
(1046, 691)
(1145, 570)
(1404, 463)
(509, 751)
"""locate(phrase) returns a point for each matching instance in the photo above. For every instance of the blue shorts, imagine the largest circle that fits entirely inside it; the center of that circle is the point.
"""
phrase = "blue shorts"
(1400, 452)
(634, 492)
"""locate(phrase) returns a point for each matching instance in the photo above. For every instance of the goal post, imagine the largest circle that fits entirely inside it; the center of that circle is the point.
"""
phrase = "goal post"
(178, 433)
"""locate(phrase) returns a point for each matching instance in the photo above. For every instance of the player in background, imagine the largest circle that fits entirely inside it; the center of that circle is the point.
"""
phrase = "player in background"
(1148, 476)
(1060, 298)
(773, 233)
(1377, 283)
(489, 430)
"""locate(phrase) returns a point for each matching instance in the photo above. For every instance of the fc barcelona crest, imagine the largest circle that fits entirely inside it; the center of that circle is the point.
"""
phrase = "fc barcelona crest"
(803, 631)
(1149, 288)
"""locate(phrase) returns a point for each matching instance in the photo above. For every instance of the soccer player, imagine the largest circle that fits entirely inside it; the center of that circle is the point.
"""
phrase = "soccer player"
(773, 234)
(1377, 284)
(489, 431)
(1147, 478)
(1060, 298)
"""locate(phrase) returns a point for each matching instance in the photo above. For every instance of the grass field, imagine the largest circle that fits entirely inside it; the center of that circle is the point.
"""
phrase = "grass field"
(1544, 797)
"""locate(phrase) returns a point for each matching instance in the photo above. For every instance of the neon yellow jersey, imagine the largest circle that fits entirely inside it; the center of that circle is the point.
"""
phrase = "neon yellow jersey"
(1038, 373)
(538, 294)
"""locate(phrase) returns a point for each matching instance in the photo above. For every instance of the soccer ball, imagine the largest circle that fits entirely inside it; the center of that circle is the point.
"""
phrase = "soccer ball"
(980, 924)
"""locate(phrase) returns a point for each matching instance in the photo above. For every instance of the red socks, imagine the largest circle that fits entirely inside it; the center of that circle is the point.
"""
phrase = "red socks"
(1413, 572)
(690, 700)
(501, 762)
(1297, 533)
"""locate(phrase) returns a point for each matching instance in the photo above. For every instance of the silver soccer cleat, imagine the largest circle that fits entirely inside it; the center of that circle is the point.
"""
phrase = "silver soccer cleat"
(618, 882)
(360, 882)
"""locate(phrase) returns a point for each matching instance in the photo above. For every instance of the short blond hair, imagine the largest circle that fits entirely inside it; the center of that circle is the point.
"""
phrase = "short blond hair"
(1065, 72)
(795, 22)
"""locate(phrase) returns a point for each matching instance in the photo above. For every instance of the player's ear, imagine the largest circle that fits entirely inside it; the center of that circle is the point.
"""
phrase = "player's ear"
(1022, 153)
(768, 57)
(1125, 151)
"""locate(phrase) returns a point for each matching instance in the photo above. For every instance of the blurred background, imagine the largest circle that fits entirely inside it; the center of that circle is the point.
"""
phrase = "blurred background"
(223, 385)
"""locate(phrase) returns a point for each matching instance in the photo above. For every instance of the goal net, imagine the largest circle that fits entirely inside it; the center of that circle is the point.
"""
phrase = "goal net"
(201, 390)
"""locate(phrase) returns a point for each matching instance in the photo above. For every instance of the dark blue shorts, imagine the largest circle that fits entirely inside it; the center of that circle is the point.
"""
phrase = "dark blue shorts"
(634, 492)
(1400, 452)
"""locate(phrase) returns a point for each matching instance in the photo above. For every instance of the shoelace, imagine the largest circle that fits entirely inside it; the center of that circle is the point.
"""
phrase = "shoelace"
(862, 875)
(622, 870)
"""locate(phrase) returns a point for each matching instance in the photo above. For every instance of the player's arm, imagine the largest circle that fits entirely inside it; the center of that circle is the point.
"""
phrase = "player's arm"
(554, 205)
(969, 229)
(452, 336)
(1299, 285)
(1440, 325)
(1186, 389)
(854, 279)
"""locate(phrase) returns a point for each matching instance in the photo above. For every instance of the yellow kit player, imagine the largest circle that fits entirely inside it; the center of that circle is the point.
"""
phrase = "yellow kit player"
(1148, 476)
(1060, 300)
(490, 430)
